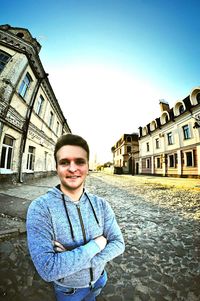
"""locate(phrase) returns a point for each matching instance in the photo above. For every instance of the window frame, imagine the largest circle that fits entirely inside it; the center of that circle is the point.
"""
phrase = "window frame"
(170, 138)
(30, 158)
(51, 117)
(39, 105)
(7, 152)
(181, 109)
(186, 132)
(25, 84)
(158, 162)
(157, 140)
(128, 149)
(57, 127)
(186, 158)
(171, 162)
(198, 98)
(4, 59)
(148, 163)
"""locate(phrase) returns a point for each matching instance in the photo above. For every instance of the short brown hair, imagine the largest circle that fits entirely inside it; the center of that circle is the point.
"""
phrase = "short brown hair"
(71, 139)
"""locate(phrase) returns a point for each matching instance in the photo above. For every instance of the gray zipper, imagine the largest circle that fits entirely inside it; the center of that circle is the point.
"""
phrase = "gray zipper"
(84, 238)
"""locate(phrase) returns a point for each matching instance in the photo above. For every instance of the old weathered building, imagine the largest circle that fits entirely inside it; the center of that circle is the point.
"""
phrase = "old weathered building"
(170, 144)
(31, 119)
(125, 154)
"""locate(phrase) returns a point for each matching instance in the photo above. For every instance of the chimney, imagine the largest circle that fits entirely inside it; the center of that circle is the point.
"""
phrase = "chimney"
(164, 106)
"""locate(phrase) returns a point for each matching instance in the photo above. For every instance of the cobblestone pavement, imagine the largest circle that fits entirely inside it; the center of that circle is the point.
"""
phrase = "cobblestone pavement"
(160, 223)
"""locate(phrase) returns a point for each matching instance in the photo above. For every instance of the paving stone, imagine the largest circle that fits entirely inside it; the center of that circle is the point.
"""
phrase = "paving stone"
(161, 229)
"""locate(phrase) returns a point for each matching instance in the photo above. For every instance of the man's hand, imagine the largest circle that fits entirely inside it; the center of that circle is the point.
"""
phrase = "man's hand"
(101, 242)
(58, 247)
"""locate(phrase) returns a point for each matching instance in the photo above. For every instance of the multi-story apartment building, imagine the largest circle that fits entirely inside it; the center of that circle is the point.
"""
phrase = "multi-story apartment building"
(31, 119)
(170, 144)
(125, 154)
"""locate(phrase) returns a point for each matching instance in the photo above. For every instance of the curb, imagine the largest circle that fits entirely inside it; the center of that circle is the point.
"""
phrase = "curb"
(12, 232)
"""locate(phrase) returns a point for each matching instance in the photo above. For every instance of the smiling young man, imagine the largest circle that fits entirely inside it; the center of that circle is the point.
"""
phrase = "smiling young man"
(71, 233)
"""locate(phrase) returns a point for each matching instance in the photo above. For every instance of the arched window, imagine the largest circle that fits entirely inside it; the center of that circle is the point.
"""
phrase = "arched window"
(195, 96)
(164, 118)
(181, 109)
(20, 35)
(198, 98)
(4, 58)
(144, 131)
(153, 125)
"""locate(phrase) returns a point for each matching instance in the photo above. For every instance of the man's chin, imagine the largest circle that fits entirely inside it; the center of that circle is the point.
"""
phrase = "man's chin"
(72, 185)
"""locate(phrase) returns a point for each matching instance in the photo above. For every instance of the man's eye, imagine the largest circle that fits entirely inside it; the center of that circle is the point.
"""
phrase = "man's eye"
(80, 162)
(64, 163)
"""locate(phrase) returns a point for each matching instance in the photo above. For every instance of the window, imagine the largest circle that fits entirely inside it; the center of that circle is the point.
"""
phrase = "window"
(45, 160)
(158, 163)
(198, 97)
(4, 58)
(170, 138)
(186, 132)
(25, 85)
(128, 149)
(147, 163)
(57, 127)
(6, 153)
(189, 159)
(39, 105)
(181, 109)
(147, 146)
(171, 160)
(157, 143)
(128, 139)
(30, 158)
(166, 118)
(51, 119)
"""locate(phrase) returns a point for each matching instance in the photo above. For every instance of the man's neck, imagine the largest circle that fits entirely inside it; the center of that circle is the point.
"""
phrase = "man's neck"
(74, 195)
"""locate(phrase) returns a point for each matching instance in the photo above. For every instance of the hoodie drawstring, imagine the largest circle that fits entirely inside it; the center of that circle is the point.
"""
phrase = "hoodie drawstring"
(70, 224)
(92, 209)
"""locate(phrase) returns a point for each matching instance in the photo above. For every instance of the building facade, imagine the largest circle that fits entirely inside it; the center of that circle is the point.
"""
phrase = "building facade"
(125, 154)
(31, 119)
(170, 144)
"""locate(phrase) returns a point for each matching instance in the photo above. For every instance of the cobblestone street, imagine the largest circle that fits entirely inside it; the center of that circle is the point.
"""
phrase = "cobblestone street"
(159, 219)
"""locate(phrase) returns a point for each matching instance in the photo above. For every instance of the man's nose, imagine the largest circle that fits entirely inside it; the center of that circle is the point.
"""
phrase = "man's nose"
(72, 167)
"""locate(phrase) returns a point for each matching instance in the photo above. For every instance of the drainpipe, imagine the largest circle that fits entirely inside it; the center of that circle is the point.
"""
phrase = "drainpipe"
(26, 126)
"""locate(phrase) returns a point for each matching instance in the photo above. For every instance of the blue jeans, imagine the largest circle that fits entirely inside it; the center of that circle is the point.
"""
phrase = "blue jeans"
(80, 294)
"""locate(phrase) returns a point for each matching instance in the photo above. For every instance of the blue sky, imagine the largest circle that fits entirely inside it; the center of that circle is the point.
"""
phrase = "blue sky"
(109, 62)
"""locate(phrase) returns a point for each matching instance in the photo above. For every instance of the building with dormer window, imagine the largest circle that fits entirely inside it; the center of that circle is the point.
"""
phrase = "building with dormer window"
(31, 119)
(170, 144)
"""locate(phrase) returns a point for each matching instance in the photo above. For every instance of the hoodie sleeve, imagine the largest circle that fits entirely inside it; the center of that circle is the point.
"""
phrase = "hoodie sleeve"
(115, 242)
(50, 265)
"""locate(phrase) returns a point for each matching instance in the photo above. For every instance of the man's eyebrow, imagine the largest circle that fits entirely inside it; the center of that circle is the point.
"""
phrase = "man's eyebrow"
(75, 159)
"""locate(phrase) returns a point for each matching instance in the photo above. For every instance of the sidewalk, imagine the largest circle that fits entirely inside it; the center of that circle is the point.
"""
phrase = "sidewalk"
(180, 183)
(14, 202)
(15, 199)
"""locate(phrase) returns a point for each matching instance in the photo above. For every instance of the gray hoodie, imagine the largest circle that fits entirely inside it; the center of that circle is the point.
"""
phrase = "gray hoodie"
(54, 216)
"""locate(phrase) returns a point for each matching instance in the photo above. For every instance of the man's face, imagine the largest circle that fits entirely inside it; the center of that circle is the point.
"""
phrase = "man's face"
(72, 167)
